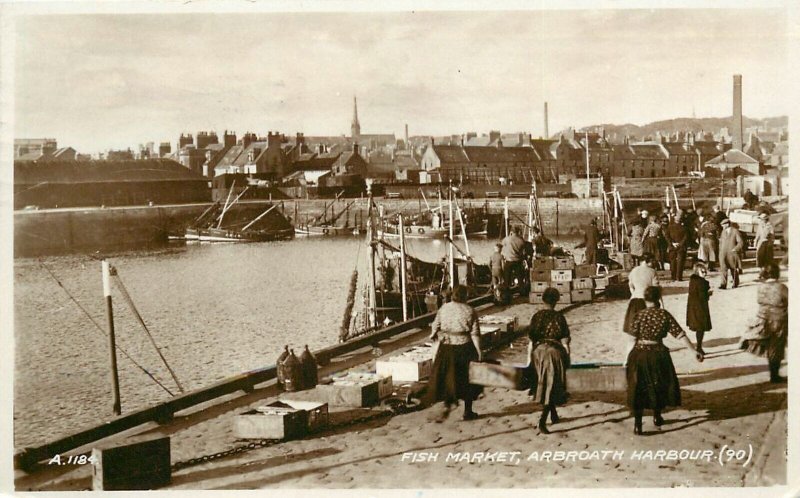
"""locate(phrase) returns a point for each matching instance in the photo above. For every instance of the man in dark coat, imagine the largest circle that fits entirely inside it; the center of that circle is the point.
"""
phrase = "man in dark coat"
(698, 317)
(731, 243)
(590, 239)
(676, 238)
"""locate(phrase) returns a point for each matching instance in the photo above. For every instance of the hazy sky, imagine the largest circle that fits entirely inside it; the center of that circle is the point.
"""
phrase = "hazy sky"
(100, 81)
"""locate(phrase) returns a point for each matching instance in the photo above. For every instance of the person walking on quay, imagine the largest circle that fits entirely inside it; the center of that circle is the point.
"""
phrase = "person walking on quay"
(514, 255)
(698, 317)
(676, 238)
(663, 244)
(708, 241)
(652, 232)
(731, 244)
(496, 265)
(765, 237)
(767, 335)
(590, 239)
(639, 279)
(548, 353)
(636, 239)
(457, 330)
(652, 380)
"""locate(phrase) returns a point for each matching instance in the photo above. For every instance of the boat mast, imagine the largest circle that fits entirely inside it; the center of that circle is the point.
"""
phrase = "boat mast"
(450, 246)
(225, 208)
(259, 217)
(403, 269)
(505, 216)
(373, 300)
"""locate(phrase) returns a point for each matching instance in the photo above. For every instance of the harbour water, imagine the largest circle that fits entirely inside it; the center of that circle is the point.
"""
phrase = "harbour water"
(215, 310)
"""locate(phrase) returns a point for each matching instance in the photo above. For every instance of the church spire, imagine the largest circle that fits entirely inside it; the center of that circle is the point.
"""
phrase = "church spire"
(355, 127)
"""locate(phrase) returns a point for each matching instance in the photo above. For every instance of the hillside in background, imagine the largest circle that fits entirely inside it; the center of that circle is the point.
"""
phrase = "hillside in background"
(617, 132)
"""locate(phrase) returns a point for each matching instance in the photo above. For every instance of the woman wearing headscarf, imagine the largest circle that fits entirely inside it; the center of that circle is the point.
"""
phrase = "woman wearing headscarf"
(652, 381)
(768, 334)
(548, 353)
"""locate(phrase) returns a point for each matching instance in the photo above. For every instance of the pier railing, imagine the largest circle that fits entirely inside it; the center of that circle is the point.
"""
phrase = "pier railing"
(163, 412)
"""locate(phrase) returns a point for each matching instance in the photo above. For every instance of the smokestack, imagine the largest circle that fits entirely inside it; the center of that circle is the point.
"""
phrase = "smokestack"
(546, 129)
(407, 146)
(737, 112)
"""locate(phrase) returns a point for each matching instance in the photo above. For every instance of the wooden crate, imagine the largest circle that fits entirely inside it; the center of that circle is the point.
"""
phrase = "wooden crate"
(605, 281)
(583, 283)
(582, 295)
(489, 335)
(563, 287)
(583, 271)
(355, 389)
(598, 379)
(565, 298)
(405, 368)
(561, 263)
(539, 286)
(543, 263)
(505, 322)
(271, 422)
(142, 465)
(535, 298)
(540, 275)
(494, 375)
(316, 412)
(561, 275)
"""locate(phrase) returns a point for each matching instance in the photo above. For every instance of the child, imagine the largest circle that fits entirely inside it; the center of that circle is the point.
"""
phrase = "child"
(698, 318)
(496, 265)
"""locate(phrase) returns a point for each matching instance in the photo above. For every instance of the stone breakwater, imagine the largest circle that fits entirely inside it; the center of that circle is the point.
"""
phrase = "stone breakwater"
(86, 230)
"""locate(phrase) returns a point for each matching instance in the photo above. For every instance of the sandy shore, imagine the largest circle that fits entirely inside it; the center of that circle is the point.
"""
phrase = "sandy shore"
(727, 405)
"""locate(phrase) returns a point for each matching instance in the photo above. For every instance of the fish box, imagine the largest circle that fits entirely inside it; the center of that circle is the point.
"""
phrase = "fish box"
(624, 259)
(583, 283)
(361, 389)
(271, 422)
(565, 298)
(599, 379)
(563, 263)
(582, 271)
(582, 295)
(746, 227)
(505, 322)
(535, 298)
(140, 465)
(495, 375)
(406, 367)
(561, 275)
(540, 275)
(605, 281)
(317, 412)
(563, 287)
(539, 286)
(543, 263)
(489, 335)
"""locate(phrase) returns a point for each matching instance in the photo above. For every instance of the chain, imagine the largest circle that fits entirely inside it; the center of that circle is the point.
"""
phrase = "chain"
(395, 406)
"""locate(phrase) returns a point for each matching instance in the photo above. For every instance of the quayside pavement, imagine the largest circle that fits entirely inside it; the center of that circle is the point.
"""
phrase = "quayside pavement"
(730, 430)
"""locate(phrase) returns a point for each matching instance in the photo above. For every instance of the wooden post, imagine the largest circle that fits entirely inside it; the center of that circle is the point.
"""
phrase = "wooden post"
(403, 268)
(450, 246)
(556, 218)
(107, 271)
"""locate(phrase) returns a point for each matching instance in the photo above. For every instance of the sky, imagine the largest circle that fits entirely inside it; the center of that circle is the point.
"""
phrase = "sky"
(96, 82)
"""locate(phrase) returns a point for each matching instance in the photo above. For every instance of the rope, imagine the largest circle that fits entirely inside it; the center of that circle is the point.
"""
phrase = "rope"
(104, 332)
(132, 306)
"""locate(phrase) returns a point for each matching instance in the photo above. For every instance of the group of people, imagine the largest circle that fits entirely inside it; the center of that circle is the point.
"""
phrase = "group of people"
(651, 376)
(513, 256)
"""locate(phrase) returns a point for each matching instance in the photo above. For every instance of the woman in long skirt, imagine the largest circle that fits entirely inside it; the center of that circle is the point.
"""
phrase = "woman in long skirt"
(652, 381)
(698, 316)
(651, 236)
(767, 336)
(548, 351)
(639, 279)
(457, 330)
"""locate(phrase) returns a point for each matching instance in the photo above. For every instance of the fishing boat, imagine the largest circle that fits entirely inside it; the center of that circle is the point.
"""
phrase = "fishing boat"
(435, 223)
(214, 226)
(321, 225)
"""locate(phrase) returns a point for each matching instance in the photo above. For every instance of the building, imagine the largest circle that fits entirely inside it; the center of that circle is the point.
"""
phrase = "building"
(370, 141)
(734, 163)
(350, 163)
(106, 183)
(42, 149)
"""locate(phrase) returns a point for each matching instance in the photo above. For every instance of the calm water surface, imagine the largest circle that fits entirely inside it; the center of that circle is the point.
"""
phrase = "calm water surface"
(215, 310)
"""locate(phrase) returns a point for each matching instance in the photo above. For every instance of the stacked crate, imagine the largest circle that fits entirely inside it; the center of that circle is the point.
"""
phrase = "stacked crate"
(573, 282)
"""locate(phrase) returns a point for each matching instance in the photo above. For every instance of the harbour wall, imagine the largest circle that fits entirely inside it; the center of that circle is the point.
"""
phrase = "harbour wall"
(86, 230)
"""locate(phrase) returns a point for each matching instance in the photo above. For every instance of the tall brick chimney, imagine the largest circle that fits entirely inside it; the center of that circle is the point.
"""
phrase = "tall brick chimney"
(737, 132)
(546, 125)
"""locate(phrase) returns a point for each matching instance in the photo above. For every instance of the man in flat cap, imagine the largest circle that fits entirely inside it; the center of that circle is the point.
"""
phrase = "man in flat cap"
(731, 244)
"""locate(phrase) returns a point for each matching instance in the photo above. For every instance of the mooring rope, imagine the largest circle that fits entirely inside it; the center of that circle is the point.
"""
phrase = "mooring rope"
(101, 329)
(135, 311)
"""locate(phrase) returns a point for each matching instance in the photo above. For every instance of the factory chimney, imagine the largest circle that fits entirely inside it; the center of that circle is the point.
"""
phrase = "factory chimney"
(737, 131)
(546, 130)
